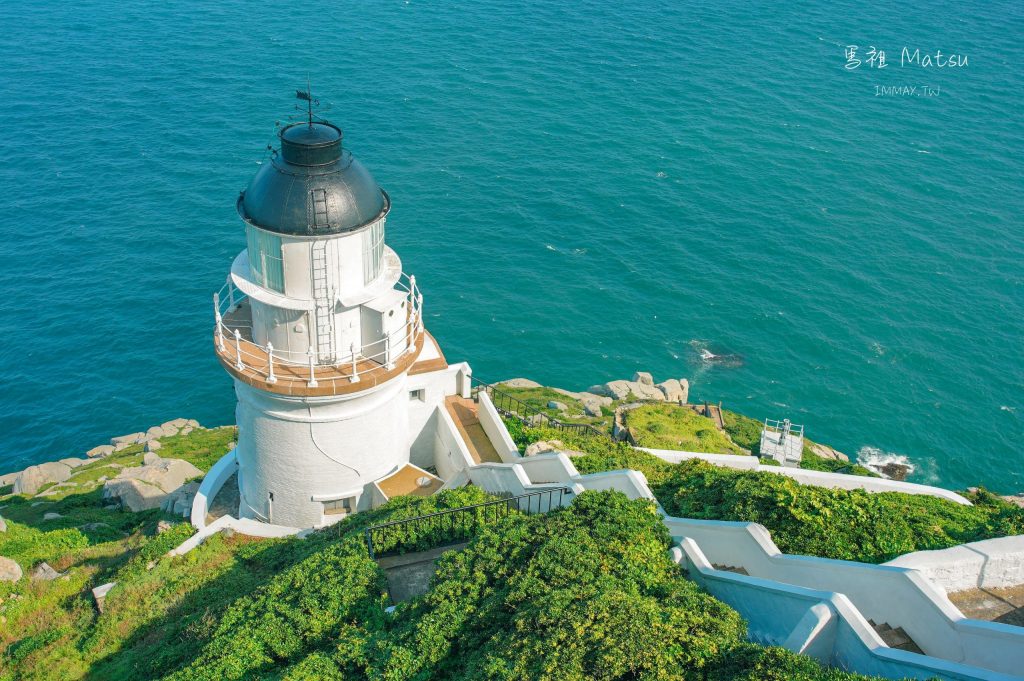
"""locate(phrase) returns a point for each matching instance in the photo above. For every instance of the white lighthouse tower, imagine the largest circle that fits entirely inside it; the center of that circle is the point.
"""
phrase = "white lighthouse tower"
(321, 330)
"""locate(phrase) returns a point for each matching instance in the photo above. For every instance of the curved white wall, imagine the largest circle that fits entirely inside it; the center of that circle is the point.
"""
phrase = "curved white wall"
(308, 450)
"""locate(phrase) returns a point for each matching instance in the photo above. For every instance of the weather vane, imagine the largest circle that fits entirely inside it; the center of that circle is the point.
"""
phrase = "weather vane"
(307, 96)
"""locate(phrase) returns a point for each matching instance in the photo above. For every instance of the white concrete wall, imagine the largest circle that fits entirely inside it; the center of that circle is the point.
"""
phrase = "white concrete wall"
(824, 625)
(436, 386)
(214, 479)
(896, 596)
(990, 564)
(303, 447)
(450, 453)
(809, 477)
(491, 422)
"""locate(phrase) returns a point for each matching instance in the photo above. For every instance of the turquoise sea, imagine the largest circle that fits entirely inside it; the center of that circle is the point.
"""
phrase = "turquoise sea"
(583, 189)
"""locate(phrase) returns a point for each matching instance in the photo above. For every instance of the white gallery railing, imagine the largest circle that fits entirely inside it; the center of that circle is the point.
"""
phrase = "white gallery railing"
(234, 340)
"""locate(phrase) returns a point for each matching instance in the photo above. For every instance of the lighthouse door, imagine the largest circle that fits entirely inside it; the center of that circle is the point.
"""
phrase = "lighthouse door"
(323, 305)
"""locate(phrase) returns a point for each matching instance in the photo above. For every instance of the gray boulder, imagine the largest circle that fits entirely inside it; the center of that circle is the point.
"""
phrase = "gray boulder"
(74, 463)
(150, 458)
(672, 390)
(100, 594)
(543, 446)
(179, 502)
(143, 487)
(101, 451)
(617, 390)
(9, 478)
(152, 445)
(644, 378)
(560, 406)
(127, 440)
(50, 515)
(684, 385)
(826, 452)
(10, 571)
(43, 572)
(32, 478)
(646, 391)
(521, 383)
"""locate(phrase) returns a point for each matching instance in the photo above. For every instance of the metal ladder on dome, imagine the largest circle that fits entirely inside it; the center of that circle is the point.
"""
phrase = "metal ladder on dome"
(324, 306)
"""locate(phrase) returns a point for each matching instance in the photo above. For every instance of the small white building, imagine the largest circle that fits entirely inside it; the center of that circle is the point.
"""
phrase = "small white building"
(338, 381)
(783, 441)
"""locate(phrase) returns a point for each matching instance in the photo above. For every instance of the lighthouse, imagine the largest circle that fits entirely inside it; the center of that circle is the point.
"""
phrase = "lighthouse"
(338, 381)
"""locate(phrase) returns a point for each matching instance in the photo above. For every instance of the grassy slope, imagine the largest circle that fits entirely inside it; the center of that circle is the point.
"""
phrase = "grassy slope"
(670, 426)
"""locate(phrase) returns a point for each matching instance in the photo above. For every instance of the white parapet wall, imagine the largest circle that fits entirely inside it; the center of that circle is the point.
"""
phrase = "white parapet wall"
(494, 427)
(809, 477)
(899, 597)
(214, 479)
(988, 564)
(451, 454)
(821, 624)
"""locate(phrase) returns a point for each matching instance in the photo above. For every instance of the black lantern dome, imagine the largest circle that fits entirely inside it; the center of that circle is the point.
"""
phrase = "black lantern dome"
(312, 187)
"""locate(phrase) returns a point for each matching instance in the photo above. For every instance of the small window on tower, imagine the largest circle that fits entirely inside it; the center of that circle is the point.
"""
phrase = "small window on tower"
(420, 395)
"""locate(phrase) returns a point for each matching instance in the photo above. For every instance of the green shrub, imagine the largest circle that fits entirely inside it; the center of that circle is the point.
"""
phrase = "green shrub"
(831, 523)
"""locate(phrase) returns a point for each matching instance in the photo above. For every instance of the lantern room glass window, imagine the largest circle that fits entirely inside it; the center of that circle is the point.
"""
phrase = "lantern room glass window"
(373, 251)
(265, 261)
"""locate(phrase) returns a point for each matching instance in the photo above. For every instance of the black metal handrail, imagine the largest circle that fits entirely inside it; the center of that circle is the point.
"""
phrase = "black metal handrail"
(449, 525)
(516, 408)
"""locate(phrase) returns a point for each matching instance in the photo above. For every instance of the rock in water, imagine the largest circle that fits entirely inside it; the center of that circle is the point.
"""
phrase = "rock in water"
(43, 572)
(32, 478)
(643, 377)
(10, 571)
(895, 471)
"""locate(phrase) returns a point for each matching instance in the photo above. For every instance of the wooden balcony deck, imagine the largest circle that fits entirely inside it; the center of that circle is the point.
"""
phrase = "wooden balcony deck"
(294, 379)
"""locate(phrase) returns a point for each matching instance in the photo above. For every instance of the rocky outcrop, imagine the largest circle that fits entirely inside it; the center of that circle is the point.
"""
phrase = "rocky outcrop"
(521, 383)
(560, 406)
(675, 390)
(179, 502)
(543, 446)
(10, 571)
(100, 594)
(99, 452)
(32, 478)
(590, 402)
(643, 378)
(826, 452)
(143, 487)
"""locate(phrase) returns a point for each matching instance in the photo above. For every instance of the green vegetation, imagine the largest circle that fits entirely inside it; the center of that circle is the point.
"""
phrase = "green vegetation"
(587, 592)
(803, 519)
(743, 430)
(833, 523)
(538, 399)
(811, 461)
(670, 426)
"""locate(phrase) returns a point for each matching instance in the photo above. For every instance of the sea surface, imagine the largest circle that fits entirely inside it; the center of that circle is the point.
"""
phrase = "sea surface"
(583, 189)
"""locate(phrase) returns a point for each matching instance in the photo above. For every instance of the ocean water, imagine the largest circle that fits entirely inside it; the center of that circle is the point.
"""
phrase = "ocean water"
(583, 189)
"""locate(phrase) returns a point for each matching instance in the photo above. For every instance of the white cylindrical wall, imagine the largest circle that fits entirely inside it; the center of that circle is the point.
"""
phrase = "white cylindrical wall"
(305, 450)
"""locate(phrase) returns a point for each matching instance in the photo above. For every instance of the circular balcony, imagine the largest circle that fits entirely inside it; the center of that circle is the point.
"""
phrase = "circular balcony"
(305, 374)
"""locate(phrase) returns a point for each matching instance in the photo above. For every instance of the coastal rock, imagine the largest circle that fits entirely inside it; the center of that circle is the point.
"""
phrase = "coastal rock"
(826, 452)
(1015, 499)
(143, 487)
(101, 451)
(895, 471)
(543, 446)
(152, 445)
(177, 424)
(560, 406)
(150, 458)
(672, 390)
(9, 478)
(592, 403)
(684, 385)
(192, 423)
(128, 440)
(32, 478)
(134, 495)
(10, 571)
(644, 378)
(43, 572)
(617, 390)
(186, 430)
(521, 383)
(74, 463)
(646, 391)
(179, 502)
